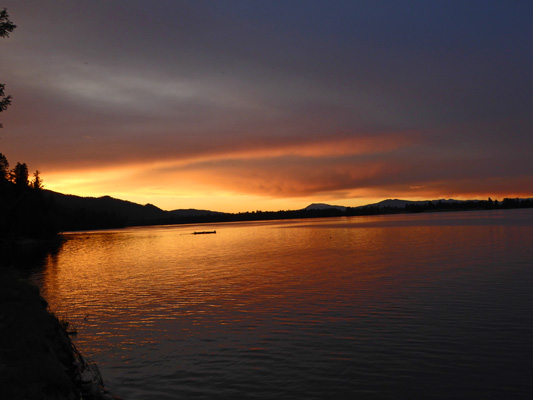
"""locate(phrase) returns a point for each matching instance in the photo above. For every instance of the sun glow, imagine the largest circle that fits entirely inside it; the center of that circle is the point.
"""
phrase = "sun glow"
(232, 180)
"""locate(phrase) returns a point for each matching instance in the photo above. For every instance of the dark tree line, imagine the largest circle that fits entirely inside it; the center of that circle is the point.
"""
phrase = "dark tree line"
(28, 212)
(416, 207)
(19, 175)
(429, 206)
(24, 212)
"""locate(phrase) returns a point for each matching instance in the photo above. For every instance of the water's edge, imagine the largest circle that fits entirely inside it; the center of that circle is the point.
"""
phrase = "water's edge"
(38, 358)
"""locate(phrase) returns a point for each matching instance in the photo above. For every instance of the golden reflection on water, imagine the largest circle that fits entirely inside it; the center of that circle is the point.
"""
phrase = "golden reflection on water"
(167, 270)
(158, 295)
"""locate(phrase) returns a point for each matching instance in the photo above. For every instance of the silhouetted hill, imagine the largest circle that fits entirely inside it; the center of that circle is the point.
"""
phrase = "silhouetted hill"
(80, 213)
(396, 203)
(127, 210)
(323, 206)
(192, 212)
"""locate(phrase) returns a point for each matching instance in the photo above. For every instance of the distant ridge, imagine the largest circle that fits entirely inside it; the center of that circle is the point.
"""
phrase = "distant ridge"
(404, 204)
(120, 212)
(396, 203)
(75, 213)
(192, 212)
(323, 206)
(391, 203)
(123, 209)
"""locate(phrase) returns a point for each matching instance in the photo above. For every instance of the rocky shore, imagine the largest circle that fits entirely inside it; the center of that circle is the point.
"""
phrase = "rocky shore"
(38, 361)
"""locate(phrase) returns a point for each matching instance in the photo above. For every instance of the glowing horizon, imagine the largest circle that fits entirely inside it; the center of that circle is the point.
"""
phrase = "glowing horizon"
(234, 202)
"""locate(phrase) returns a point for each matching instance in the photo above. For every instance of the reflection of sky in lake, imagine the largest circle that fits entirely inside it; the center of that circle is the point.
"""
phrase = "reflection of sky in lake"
(434, 304)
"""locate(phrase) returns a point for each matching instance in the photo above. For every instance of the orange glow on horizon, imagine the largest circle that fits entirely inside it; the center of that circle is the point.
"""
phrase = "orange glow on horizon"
(202, 196)
(274, 178)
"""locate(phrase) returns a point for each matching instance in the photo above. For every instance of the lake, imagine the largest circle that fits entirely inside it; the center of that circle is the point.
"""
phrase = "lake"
(432, 306)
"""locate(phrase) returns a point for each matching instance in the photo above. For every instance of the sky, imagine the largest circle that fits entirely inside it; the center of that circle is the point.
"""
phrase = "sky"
(243, 105)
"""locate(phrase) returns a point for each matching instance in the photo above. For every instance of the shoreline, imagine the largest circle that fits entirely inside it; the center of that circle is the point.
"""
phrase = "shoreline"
(37, 358)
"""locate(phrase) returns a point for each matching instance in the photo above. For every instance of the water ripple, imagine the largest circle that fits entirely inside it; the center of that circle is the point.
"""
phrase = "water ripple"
(424, 306)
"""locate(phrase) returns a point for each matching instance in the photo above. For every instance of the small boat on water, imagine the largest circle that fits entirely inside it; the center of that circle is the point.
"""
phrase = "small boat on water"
(204, 232)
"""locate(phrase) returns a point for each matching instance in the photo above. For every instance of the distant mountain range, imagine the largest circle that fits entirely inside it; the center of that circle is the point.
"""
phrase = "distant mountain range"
(322, 206)
(76, 213)
(392, 203)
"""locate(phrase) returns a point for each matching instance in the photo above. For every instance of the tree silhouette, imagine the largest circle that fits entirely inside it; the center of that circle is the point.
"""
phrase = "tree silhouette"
(20, 175)
(5, 100)
(37, 182)
(4, 168)
(6, 27)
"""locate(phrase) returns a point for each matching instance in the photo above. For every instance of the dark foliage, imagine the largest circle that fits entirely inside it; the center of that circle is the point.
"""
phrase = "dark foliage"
(24, 213)
(29, 213)
(5, 101)
(6, 27)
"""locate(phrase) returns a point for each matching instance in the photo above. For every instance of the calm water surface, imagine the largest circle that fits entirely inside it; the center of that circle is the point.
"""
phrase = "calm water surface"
(389, 307)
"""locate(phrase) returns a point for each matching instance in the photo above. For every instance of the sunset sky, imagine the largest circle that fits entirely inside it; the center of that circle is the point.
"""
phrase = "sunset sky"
(268, 105)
